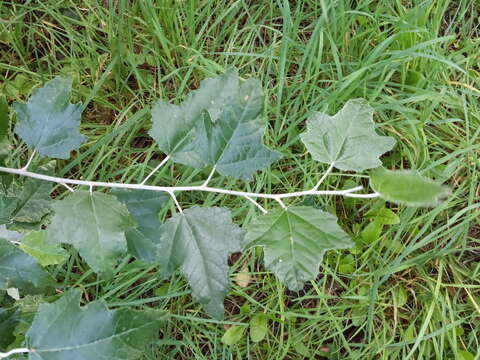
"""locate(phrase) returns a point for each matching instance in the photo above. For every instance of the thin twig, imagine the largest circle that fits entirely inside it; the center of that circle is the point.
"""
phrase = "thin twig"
(29, 160)
(171, 189)
(323, 177)
(13, 352)
(260, 207)
(177, 204)
(155, 170)
(209, 176)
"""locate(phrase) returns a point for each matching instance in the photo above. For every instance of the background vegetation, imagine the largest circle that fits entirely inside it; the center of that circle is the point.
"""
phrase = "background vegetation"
(411, 291)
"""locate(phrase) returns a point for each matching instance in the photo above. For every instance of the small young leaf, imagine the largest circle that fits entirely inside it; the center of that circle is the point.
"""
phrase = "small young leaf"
(371, 232)
(144, 206)
(173, 125)
(47, 122)
(233, 335)
(258, 327)
(199, 241)
(348, 139)
(46, 254)
(95, 225)
(8, 321)
(406, 187)
(20, 270)
(295, 240)
(384, 216)
(64, 330)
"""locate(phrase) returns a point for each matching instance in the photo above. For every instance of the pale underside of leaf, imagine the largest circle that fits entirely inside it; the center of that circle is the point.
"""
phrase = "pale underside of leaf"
(47, 122)
(348, 139)
(63, 330)
(407, 187)
(95, 225)
(295, 240)
(199, 242)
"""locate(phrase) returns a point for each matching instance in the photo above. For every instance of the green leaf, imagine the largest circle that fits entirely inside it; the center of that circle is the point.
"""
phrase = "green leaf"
(8, 205)
(407, 187)
(144, 206)
(33, 201)
(46, 254)
(173, 125)
(371, 232)
(20, 270)
(348, 139)
(233, 335)
(385, 216)
(231, 140)
(95, 225)
(233, 144)
(48, 123)
(198, 241)
(64, 330)
(8, 322)
(295, 240)
(258, 327)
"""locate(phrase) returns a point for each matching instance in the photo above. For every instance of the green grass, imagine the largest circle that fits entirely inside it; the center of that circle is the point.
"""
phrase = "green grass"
(414, 293)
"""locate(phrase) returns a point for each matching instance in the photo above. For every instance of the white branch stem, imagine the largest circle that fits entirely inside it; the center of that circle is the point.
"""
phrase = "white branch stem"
(172, 189)
(30, 160)
(155, 170)
(260, 207)
(324, 176)
(209, 176)
(13, 352)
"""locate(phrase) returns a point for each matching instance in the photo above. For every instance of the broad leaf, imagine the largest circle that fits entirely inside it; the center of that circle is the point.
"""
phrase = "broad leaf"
(33, 202)
(199, 241)
(8, 321)
(258, 327)
(228, 137)
(407, 187)
(233, 144)
(8, 205)
(35, 245)
(64, 330)
(95, 225)
(48, 123)
(348, 139)
(144, 206)
(295, 240)
(20, 270)
(173, 125)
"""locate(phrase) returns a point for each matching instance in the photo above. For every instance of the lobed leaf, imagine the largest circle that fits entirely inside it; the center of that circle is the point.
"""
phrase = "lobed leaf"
(228, 137)
(348, 139)
(64, 330)
(173, 125)
(95, 224)
(20, 270)
(407, 187)
(47, 122)
(144, 207)
(198, 241)
(295, 240)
